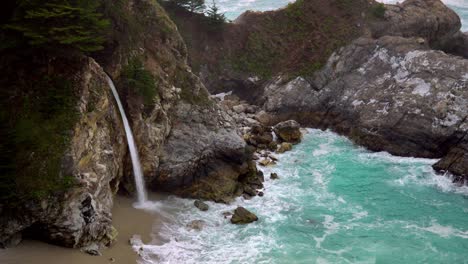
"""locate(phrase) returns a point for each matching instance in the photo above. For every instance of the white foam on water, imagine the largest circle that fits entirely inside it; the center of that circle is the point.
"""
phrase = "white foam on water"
(441, 230)
(430, 178)
(221, 242)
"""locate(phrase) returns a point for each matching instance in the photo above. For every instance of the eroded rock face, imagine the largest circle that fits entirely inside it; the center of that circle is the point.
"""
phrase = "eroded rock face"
(187, 144)
(82, 215)
(391, 94)
(204, 156)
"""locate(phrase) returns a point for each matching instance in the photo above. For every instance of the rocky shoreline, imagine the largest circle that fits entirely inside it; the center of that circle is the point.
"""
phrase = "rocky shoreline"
(395, 82)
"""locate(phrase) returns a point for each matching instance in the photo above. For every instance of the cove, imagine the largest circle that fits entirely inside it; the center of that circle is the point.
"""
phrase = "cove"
(334, 203)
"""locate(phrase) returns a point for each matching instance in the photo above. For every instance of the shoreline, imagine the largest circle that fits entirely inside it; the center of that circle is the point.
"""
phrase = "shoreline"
(127, 220)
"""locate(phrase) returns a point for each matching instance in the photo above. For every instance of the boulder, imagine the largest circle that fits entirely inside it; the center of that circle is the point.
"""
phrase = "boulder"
(274, 176)
(266, 162)
(284, 147)
(259, 136)
(288, 131)
(250, 191)
(239, 108)
(243, 216)
(201, 205)
(431, 20)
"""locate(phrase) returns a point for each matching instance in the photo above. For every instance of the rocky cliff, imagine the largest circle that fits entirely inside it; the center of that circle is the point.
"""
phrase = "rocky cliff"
(187, 144)
(388, 89)
(389, 94)
(392, 93)
(78, 214)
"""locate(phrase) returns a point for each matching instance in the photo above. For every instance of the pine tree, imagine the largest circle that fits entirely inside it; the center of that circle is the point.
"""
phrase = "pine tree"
(216, 17)
(57, 24)
(191, 5)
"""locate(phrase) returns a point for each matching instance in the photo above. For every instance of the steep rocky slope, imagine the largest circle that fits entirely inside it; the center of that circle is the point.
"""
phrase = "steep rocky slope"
(292, 41)
(392, 93)
(187, 144)
(388, 90)
(78, 214)
(298, 39)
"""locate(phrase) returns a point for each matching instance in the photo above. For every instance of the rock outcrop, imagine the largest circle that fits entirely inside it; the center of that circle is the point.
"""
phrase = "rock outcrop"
(243, 216)
(81, 215)
(288, 131)
(187, 144)
(431, 20)
(391, 94)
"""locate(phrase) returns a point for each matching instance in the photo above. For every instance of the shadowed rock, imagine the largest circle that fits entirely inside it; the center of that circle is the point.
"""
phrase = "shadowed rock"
(288, 131)
(243, 216)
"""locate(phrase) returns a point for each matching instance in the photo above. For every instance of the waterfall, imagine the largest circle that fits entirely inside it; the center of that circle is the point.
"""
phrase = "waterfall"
(137, 171)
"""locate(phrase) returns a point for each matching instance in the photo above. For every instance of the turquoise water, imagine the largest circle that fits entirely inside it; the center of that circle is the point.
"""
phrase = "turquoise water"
(334, 203)
(233, 8)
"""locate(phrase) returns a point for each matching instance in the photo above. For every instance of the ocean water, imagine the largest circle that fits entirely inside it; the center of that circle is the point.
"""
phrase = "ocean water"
(233, 8)
(334, 203)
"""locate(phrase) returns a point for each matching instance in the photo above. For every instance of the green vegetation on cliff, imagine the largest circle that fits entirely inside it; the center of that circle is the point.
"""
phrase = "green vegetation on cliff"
(296, 40)
(41, 42)
(135, 76)
(37, 130)
(58, 24)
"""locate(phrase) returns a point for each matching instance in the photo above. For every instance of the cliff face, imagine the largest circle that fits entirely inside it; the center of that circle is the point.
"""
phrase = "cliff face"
(388, 90)
(390, 94)
(80, 214)
(187, 144)
(184, 137)
(292, 41)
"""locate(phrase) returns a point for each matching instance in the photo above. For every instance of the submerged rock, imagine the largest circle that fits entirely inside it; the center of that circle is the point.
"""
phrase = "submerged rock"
(243, 216)
(92, 249)
(227, 214)
(288, 131)
(196, 225)
(201, 205)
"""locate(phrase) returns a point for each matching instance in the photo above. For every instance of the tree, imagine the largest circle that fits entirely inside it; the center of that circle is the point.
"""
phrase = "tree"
(216, 17)
(191, 5)
(58, 24)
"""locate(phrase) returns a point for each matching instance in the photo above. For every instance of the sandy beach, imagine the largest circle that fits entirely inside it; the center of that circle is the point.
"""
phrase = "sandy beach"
(126, 219)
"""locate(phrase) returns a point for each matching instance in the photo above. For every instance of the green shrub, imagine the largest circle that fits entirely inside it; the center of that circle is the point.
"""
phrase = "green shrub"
(378, 10)
(59, 24)
(136, 77)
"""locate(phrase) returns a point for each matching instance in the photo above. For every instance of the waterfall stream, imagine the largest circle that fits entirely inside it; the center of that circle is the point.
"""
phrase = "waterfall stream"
(137, 171)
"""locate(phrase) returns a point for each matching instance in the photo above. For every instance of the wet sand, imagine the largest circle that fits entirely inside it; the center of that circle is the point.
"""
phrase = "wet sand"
(126, 219)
